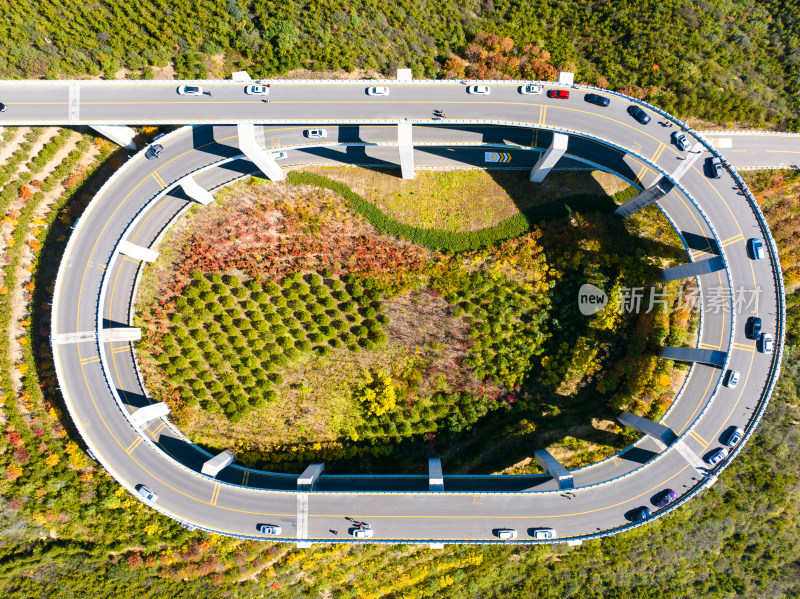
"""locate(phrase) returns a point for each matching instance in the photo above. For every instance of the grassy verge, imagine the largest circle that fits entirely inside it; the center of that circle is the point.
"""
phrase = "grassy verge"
(459, 241)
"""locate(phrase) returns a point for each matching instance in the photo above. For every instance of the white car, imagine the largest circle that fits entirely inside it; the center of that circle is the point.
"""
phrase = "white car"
(256, 90)
(733, 379)
(316, 133)
(481, 90)
(543, 534)
(280, 155)
(767, 344)
(269, 529)
(147, 493)
(532, 89)
(362, 533)
(507, 533)
(190, 90)
(377, 91)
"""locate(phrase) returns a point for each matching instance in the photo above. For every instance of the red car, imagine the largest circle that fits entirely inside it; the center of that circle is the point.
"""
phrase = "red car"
(560, 94)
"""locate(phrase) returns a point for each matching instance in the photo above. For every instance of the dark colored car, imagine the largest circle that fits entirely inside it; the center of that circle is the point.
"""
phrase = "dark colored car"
(756, 249)
(154, 151)
(598, 100)
(3, 107)
(666, 497)
(640, 513)
(639, 114)
(752, 329)
(715, 167)
(560, 94)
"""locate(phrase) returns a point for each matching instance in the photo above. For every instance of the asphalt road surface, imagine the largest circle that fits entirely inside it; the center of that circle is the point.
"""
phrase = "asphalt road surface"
(96, 284)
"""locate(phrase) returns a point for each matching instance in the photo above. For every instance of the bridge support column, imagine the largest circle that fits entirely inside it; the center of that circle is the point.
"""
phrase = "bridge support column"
(137, 252)
(120, 334)
(712, 357)
(688, 161)
(213, 466)
(435, 477)
(406, 147)
(194, 191)
(307, 480)
(643, 199)
(144, 415)
(692, 269)
(662, 435)
(260, 157)
(119, 134)
(554, 469)
(691, 457)
(549, 159)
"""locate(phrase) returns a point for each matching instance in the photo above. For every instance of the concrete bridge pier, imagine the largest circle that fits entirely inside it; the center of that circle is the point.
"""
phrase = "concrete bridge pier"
(551, 156)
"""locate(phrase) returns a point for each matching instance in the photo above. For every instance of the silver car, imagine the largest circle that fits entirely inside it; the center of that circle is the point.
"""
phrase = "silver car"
(147, 493)
(543, 534)
(733, 379)
(767, 344)
(256, 90)
(506, 534)
(362, 533)
(531, 89)
(316, 133)
(190, 90)
(716, 456)
(269, 529)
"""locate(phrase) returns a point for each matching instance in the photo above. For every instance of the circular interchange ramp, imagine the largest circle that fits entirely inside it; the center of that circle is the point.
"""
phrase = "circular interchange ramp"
(94, 345)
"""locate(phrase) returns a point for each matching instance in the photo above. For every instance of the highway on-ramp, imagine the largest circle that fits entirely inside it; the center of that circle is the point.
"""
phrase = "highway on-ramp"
(95, 290)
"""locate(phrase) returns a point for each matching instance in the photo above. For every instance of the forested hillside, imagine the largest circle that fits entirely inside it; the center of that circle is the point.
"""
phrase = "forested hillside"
(734, 60)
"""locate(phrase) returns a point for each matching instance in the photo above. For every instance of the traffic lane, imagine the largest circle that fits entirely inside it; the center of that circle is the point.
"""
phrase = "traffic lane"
(136, 462)
(759, 149)
(388, 156)
(34, 103)
(313, 102)
(439, 134)
(159, 217)
(739, 223)
(119, 292)
(209, 503)
(87, 261)
(736, 223)
(622, 463)
(468, 516)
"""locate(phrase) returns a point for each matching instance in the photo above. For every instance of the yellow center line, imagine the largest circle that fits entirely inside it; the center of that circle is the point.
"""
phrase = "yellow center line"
(133, 445)
(697, 437)
(218, 483)
(742, 347)
(159, 180)
(733, 239)
(154, 434)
